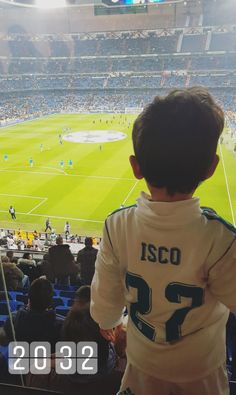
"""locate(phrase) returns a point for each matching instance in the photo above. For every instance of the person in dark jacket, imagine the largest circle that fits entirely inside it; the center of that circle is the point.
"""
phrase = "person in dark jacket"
(37, 321)
(86, 260)
(62, 262)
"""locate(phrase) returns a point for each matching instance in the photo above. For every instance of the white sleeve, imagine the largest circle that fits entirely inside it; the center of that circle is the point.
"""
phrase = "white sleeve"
(107, 289)
(222, 278)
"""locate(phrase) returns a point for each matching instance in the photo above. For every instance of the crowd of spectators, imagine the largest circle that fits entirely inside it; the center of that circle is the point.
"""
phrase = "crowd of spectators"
(81, 67)
(97, 84)
(157, 63)
(47, 308)
(58, 264)
(14, 108)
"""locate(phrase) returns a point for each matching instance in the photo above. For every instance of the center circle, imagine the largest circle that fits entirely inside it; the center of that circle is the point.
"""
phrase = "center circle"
(95, 136)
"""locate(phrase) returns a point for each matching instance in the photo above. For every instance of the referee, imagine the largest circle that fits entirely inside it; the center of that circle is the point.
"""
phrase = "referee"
(12, 211)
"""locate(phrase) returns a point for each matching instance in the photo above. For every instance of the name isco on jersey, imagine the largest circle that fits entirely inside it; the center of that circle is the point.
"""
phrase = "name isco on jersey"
(161, 254)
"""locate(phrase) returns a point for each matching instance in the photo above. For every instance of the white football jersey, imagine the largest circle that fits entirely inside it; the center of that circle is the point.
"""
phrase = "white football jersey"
(174, 265)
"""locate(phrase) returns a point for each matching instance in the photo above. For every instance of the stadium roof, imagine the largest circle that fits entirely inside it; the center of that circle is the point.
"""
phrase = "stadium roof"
(39, 3)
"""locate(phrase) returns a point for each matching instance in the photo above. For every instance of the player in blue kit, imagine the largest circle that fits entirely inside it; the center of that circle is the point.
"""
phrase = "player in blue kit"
(31, 162)
(62, 163)
(5, 157)
(70, 164)
(171, 262)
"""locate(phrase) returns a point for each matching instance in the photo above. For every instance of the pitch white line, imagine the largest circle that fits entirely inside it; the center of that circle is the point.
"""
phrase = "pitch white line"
(68, 175)
(227, 185)
(32, 172)
(53, 168)
(25, 196)
(131, 190)
(44, 200)
(101, 177)
(57, 217)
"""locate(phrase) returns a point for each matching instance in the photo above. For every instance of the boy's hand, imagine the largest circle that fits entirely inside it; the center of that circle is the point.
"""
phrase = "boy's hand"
(111, 334)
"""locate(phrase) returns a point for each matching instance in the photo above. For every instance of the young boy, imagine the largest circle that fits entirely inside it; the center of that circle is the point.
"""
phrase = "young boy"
(172, 263)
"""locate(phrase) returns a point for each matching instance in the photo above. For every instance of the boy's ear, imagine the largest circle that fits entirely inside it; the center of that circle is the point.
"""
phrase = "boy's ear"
(213, 167)
(135, 167)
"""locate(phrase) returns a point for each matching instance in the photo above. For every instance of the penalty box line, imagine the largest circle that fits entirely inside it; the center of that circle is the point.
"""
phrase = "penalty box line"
(43, 200)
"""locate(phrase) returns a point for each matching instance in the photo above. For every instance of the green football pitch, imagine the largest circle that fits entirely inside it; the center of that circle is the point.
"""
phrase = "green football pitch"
(97, 184)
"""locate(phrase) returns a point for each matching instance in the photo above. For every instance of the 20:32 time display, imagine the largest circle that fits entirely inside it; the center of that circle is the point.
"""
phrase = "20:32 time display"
(69, 358)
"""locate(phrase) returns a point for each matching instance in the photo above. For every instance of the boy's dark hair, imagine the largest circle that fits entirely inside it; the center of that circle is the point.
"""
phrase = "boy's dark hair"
(40, 294)
(175, 139)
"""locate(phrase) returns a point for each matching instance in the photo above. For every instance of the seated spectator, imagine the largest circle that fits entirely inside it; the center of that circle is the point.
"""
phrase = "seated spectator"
(36, 244)
(21, 245)
(11, 243)
(62, 265)
(35, 234)
(14, 277)
(37, 321)
(86, 260)
(79, 326)
(27, 259)
(29, 266)
(29, 243)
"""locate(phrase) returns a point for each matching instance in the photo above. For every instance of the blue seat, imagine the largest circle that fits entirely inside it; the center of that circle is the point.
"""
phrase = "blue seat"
(62, 310)
(67, 294)
(22, 298)
(58, 302)
(71, 288)
(13, 294)
(14, 306)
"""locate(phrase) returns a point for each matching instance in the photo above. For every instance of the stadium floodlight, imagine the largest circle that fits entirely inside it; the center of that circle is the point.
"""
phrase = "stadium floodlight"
(50, 3)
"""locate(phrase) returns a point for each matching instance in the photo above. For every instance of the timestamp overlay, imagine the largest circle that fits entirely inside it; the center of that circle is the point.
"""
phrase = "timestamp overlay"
(69, 358)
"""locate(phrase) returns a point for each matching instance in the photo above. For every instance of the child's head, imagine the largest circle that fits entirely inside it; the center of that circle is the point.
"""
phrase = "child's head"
(82, 298)
(175, 140)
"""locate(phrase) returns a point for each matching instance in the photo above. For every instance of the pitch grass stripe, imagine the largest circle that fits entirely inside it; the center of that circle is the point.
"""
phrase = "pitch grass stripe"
(57, 217)
(227, 185)
(131, 190)
(68, 175)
